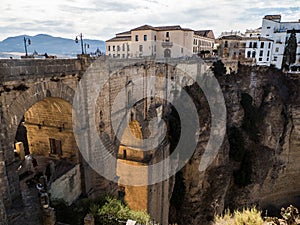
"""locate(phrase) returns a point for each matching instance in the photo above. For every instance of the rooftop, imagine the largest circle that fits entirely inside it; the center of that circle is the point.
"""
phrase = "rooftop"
(122, 38)
(205, 33)
(276, 18)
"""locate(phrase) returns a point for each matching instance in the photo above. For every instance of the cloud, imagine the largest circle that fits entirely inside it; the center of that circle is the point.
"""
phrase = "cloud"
(101, 19)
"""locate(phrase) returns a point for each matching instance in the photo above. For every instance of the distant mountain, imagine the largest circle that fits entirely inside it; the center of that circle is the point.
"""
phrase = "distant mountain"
(43, 43)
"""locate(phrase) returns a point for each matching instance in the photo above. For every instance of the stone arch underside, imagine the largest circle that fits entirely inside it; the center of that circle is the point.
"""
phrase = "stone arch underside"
(12, 117)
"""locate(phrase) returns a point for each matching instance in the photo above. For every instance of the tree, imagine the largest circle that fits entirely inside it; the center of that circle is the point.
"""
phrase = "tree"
(290, 50)
(218, 68)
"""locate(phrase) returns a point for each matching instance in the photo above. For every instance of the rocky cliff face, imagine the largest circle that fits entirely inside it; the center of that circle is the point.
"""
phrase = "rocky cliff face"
(258, 163)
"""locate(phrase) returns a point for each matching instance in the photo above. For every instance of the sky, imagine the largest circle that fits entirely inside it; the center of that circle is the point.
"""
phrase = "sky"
(102, 19)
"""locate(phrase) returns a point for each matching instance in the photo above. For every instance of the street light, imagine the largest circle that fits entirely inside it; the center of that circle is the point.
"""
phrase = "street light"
(27, 42)
(76, 41)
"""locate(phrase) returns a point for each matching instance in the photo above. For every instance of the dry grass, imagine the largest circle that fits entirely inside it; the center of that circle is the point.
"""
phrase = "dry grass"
(246, 217)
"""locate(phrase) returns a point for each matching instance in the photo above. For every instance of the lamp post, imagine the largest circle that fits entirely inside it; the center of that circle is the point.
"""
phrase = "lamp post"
(76, 41)
(27, 42)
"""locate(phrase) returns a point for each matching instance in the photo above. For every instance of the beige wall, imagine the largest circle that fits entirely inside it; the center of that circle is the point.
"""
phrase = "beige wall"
(51, 118)
(180, 44)
(148, 46)
(135, 196)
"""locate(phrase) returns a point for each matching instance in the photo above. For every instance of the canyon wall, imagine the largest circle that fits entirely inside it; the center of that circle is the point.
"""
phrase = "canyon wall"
(258, 161)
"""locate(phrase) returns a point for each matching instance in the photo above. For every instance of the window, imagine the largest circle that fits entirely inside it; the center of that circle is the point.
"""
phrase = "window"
(181, 50)
(136, 37)
(248, 54)
(268, 59)
(262, 44)
(118, 48)
(253, 54)
(275, 58)
(55, 146)
(226, 44)
(154, 37)
(268, 27)
(267, 35)
(260, 59)
(141, 48)
(128, 48)
(255, 45)
(277, 49)
(268, 54)
(145, 37)
(123, 56)
(269, 45)
(123, 47)
(109, 48)
(167, 37)
(261, 53)
(155, 48)
(124, 154)
(250, 45)
(114, 48)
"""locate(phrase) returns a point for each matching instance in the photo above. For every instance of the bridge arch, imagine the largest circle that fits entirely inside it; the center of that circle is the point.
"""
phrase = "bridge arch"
(13, 115)
(27, 99)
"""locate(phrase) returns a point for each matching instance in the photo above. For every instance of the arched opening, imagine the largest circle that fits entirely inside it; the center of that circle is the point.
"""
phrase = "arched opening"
(130, 152)
(48, 156)
(49, 129)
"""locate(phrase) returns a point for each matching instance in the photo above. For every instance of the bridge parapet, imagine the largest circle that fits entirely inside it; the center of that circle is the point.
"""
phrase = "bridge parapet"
(23, 69)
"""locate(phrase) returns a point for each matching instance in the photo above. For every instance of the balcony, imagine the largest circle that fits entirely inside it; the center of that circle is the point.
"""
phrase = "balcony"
(167, 44)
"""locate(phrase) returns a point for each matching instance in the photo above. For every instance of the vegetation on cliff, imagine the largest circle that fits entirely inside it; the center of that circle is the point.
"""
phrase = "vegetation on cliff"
(290, 216)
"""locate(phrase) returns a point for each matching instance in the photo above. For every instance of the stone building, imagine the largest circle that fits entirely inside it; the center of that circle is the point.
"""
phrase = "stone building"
(204, 43)
(160, 42)
(232, 46)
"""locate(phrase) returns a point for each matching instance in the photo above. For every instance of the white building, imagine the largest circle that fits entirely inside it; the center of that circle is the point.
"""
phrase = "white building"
(279, 32)
(160, 42)
(259, 49)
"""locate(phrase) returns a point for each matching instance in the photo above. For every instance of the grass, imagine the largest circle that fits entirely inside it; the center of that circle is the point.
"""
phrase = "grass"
(244, 217)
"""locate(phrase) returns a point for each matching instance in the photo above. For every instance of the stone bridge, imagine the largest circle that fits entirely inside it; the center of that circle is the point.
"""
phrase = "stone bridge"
(32, 90)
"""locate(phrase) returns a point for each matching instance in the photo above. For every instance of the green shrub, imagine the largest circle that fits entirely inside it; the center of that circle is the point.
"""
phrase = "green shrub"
(115, 210)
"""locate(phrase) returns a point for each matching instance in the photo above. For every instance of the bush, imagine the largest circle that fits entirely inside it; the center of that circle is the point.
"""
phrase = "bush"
(114, 210)
(247, 216)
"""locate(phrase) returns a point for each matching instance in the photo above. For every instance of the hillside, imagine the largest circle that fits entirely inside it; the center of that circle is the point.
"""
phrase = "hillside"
(43, 43)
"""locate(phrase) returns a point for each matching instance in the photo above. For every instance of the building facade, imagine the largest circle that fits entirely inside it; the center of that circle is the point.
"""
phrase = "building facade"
(259, 50)
(232, 46)
(273, 28)
(160, 42)
(204, 43)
